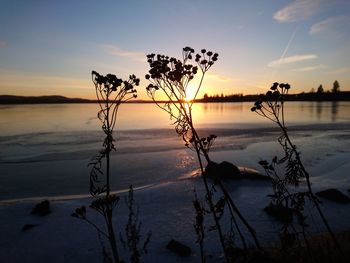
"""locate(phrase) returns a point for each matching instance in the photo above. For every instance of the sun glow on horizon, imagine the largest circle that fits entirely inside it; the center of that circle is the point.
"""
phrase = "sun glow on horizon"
(191, 92)
(309, 48)
(188, 99)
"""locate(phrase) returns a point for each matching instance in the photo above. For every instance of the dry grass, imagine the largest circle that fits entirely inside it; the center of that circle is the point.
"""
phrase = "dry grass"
(321, 249)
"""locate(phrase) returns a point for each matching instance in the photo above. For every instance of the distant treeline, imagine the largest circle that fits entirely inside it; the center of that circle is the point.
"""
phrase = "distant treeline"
(311, 96)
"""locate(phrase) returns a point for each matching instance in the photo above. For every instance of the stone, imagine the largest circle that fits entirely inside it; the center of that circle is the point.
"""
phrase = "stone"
(224, 170)
(42, 209)
(179, 248)
(334, 195)
(227, 170)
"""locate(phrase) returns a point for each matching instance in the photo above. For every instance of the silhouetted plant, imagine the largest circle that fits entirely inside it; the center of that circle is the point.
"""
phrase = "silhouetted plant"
(271, 106)
(111, 91)
(199, 224)
(133, 231)
(171, 77)
(285, 204)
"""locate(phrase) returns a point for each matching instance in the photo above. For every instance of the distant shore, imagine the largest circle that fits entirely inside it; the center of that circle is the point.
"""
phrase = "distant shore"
(311, 96)
(53, 99)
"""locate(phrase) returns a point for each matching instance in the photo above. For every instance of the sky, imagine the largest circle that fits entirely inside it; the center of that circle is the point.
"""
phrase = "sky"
(50, 47)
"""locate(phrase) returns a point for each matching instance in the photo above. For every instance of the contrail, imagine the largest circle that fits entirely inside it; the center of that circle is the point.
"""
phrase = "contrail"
(287, 47)
(284, 53)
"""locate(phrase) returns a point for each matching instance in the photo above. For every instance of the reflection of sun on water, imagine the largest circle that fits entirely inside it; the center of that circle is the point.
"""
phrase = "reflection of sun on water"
(196, 112)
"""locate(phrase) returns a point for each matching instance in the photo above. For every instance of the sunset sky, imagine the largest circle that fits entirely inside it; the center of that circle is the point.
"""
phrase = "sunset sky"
(50, 47)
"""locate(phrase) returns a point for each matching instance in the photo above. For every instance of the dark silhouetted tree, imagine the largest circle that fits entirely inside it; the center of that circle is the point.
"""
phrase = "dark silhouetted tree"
(320, 89)
(336, 87)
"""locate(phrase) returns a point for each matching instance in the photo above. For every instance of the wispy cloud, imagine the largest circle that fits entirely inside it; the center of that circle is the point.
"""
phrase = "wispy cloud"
(300, 10)
(312, 68)
(2, 44)
(117, 51)
(340, 70)
(217, 77)
(291, 59)
(330, 24)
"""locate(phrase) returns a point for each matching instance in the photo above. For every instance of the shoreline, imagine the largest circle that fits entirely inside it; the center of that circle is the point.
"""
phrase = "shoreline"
(59, 99)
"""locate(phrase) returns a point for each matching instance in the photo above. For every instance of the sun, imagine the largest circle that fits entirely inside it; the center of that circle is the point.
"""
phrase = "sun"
(188, 99)
(190, 93)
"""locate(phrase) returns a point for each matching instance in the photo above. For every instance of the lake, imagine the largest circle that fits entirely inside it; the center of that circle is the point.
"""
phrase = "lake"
(33, 118)
(45, 148)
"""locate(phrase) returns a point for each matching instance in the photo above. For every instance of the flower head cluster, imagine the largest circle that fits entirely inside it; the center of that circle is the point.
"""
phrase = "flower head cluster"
(171, 76)
(170, 68)
(103, 203)
(268, 105)
(80, 212)
(169, 72)
(111, 83)
(207, 142)
(111, 91)
(206, 59)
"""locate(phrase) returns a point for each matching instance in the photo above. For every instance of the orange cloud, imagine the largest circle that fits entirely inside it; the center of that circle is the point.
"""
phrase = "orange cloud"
(216, 77)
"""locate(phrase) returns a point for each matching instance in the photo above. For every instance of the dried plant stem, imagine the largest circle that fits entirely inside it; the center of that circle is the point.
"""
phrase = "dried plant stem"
(108, 148)
(110, 92)
(109, 210)
(171, 77)
(199, 225)
(271, 106)
(232, 205)
(111, 236)
(308, 183)
(211, 205)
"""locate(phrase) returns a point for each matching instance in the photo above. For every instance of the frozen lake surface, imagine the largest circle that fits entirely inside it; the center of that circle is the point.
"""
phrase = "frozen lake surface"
(45, 149)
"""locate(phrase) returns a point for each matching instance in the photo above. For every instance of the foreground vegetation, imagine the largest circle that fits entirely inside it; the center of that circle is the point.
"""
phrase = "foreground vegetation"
(319, 249)
(170, 77)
